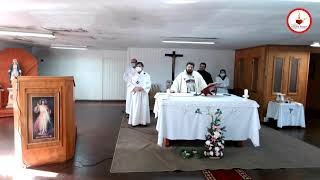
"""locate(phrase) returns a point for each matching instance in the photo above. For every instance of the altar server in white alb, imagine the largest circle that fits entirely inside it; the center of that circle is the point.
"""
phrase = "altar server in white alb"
(188, 81)
(127, 76)
(140, 87)
(223, 79)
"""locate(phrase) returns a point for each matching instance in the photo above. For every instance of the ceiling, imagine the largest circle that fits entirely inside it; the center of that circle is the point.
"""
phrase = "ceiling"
(119, 24)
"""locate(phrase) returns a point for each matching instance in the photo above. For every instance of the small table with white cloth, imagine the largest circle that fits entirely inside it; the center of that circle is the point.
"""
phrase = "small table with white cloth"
(286, 114)
(182, 116)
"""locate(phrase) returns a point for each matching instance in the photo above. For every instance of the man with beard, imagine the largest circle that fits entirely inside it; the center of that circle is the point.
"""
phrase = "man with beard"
(188, 81)
(206, 76)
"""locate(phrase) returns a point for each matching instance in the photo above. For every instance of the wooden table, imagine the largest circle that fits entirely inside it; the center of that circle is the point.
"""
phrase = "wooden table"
(286, 114)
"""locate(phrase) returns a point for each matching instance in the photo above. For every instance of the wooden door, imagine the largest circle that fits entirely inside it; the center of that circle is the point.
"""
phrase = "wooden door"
(245, 73)
(297, 76)
(277, 71)
(249, 72)
(289, 71)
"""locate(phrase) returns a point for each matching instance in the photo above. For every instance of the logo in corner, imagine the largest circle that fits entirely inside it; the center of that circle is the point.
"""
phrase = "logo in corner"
(299, 20)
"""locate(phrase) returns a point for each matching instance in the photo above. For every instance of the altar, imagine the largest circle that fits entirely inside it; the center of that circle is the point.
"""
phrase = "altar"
(186, 117)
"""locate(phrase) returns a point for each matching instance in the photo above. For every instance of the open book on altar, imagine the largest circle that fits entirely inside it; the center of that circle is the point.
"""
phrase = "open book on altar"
(212, 87)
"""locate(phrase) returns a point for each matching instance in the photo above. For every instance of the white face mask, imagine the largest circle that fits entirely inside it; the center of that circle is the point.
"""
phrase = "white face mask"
(222, 74)
(138, 69)
(133, 65)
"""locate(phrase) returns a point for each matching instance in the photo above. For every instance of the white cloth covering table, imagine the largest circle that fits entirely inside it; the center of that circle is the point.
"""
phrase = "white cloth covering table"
(184, 116)
(286, 114)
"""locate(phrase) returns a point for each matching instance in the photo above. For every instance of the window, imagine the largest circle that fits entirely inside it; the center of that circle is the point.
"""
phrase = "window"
(277, 75)
(294, 70)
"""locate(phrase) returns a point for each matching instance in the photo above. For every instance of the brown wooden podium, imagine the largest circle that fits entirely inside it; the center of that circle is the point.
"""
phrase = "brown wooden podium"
(44, 120)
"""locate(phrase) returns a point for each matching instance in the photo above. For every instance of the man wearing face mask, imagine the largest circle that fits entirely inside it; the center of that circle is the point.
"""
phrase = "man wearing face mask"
(128, 74)
(139, 87)
(188, 81)
(223, 81)
(206, 76)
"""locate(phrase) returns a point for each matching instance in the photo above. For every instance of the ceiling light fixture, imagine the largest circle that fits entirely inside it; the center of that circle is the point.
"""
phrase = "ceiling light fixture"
(315, 44)
(31, 6)
(188, 42)
(180, 1)
(26, 34)
(62, 46)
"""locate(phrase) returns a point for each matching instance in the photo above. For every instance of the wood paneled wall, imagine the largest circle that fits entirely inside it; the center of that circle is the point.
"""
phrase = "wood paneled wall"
(245, 77)
(27, 62)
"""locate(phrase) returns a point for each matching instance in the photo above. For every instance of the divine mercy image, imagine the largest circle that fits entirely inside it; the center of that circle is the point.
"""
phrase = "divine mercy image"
(43, 117)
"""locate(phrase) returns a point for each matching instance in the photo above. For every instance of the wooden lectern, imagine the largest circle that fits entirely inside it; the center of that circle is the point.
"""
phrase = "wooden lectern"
(44, 119)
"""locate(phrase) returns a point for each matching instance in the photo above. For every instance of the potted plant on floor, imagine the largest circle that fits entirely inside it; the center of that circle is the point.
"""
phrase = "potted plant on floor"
(214, 144)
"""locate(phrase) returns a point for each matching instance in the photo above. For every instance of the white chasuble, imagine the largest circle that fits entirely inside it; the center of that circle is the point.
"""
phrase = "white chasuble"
(140, 110)
(127, 76)
(185, 83)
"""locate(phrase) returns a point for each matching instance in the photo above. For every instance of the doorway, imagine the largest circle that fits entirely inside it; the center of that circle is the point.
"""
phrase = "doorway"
(313, 92)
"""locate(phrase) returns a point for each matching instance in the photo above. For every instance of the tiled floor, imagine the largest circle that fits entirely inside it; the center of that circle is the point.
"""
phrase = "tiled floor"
(98, 126)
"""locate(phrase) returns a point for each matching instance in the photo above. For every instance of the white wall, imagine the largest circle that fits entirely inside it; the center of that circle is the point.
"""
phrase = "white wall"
(159, 66)
(113, 68)
(97, 74)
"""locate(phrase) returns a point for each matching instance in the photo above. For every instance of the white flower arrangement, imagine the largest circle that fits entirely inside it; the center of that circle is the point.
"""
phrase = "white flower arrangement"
(211, 153)
(217, 149)
(208, 143)
(214, 145)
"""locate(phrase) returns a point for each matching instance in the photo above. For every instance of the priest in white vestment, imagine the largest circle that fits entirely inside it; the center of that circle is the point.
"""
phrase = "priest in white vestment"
(128, 74)
(223, 81)
(139, 88)
(188, 81)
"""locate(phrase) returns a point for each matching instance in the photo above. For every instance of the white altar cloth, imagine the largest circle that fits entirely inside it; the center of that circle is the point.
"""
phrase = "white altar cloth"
(185, 117)
(286, 114)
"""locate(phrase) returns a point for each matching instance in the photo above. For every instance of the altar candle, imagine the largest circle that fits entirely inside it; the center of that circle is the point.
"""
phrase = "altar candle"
(246, 92)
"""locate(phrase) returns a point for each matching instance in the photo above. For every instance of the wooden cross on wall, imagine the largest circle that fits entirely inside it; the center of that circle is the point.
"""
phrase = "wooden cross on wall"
(174, 55)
